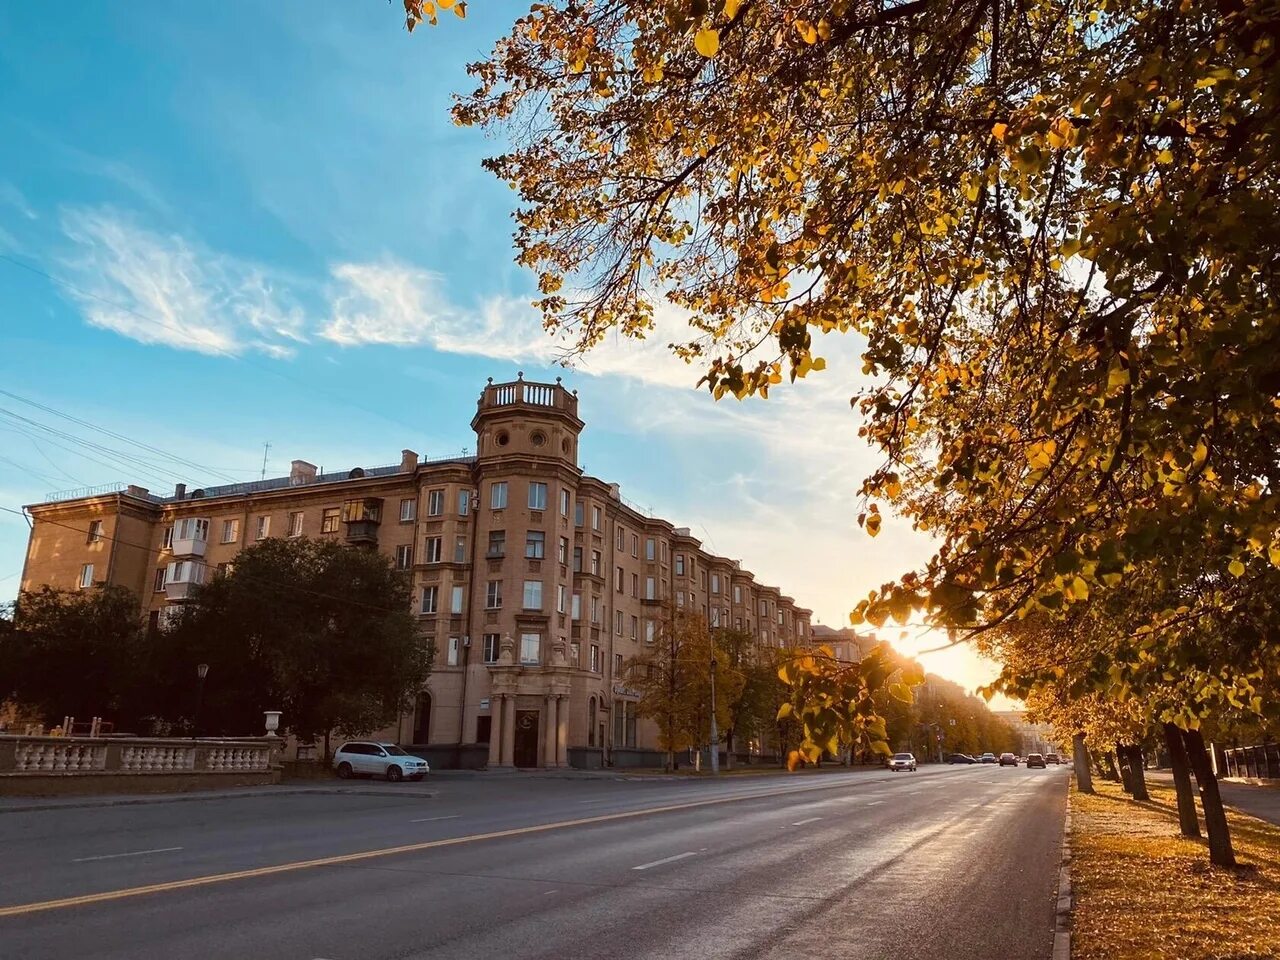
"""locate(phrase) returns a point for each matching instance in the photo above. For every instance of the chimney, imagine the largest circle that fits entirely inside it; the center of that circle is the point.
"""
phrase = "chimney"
(136, 491)
(301, 472)
(408, 461)
(179, 491)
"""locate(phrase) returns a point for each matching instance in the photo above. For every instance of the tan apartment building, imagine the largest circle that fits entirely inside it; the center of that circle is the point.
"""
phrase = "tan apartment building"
(536, 583)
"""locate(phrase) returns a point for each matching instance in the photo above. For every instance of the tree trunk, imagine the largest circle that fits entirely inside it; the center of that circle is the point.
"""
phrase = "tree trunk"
(1215, 818)
(1126, 776)
(327, 755)
(1187, 820)
(728, 749)
(1110, 770)
(1080, 758)
(1137, 773)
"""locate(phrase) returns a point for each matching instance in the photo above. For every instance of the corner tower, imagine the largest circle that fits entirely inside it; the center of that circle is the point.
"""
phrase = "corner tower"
(524, 420)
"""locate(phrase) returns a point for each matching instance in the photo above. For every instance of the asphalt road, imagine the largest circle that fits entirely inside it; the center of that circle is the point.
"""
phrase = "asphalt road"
(955, 862)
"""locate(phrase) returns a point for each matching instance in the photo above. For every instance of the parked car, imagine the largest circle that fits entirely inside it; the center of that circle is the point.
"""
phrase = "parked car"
(1052, 758)
(902, 761)
(961, 758)
(1036, 760)
(1008, 760)
(363, 758)
(987, 758)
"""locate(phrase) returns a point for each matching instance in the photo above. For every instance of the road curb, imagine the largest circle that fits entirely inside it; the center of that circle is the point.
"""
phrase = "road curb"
(194, 798)
(1062, 913)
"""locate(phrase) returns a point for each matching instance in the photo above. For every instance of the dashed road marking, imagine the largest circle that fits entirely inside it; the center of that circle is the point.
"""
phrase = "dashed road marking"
(452, 816)
(801, 823)
(133, 853)
(665, 860)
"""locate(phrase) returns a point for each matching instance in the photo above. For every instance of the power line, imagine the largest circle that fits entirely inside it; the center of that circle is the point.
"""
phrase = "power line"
(123, 461)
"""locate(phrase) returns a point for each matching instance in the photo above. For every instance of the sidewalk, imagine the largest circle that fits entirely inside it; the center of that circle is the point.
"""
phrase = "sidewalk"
(1256, 800)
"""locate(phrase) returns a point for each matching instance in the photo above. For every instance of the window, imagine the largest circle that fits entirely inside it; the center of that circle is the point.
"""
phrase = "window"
(618, 622)
(779, 618)
(704, 579)
(650, 588)
(498, 495)
(464, 502)
(230, 531)
(650, 549)
(595, 562)
(533, 594)
(564, 552)
(430, 597)
(591, 722)
(635, 545)
(624, 723)
(264, 528)
(564, 502)
(617, 579)
(161, 576)
(329, 520)
(295, 523)
(635, 584)
(577, 514)
(595, 609)
(649, 630)
(453, 651)
(95, 531)
(679, 598)
(404, 556)
(537, 495)
(493, 595)
(764, 608)
(737, 593)
(715, 616)
(577, 606)
(679, 564)
(497, 544)
(166, 540)
(635, 628)
(435, 502)
(529, 644)
(595, 518)
(715, 583)
(617, 664)
(535, 542)
(577, 559)
(491, 647)
(595, 658)
(408, 509)
(621, 543)
(433, 550)
(455, 599)
(192, 528)
(460, 550)
(562, 594)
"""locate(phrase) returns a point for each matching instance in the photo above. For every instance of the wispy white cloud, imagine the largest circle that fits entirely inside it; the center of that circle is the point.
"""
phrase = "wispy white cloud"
(11, 196)
(164, 289)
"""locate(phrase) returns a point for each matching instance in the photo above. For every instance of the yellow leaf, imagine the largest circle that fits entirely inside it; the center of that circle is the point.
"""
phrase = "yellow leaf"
(1274, 554)
(784, 711)
(999, 130)
(707, 42)
(1236, 568)
(808, 32)
(1040, 455)
(731, 8)
(873, 524)
(460, 8)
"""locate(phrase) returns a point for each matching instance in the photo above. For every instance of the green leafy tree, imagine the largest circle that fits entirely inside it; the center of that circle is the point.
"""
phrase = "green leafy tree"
(320, 631)
(754, 693)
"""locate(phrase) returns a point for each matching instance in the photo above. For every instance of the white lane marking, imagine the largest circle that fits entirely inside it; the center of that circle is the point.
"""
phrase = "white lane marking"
(801, 823)
(550, 892)
(601, 800)
(452, 816)
(874, 802)
(134, 853)
(658, 863)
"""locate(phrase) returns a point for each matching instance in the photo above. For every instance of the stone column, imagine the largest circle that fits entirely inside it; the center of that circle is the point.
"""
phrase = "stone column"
(549, 758)
(508, 731)
(496, 701)
(562, 730)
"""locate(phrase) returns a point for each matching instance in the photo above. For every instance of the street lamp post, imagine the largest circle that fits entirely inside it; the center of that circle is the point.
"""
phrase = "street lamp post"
(715, 736)
(202, 671)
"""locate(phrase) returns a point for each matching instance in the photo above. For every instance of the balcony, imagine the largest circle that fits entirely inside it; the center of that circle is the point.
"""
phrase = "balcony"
(362, 519)
(182, 577)
(190, 535)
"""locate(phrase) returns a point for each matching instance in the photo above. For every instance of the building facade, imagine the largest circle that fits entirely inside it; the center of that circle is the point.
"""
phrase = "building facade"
(536, 583)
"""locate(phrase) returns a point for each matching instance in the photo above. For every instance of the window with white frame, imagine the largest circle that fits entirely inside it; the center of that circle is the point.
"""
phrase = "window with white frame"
(295, 523)
(618, 578)
(621, 542)
(492, 645)
(737, 593)
(435, 502)
(430, 599)
(464, 502)
(493, 595)
(779, 618)
(497, 544)
(537, 495)
(635, 585)
(635, 545)
(408, 509)
(453, 651)
(95, 531)
(404, 556)
(529, 647)
(264, 528)
(455, 599)
(679, 598)
(166, 539)
(595, 562)
(498, 495)
(578, 514)
(764, 608)
(565, 500)
(577, 606)
(635, 628)
(617, 664)
(192, 528)
(715, 616)
(595, 518)
(161, 576)
(329, 520)
(650, 629)
(564, 552)
(577, 559)
(650, 588)
(618, 622)
(459, 549)
(715, 583)
(535, 544)
(650, 548)
(595, 609)
(230, 531)
(679, 564)
(533, 594)
(433, 550)
(562, 593)
(595, 658)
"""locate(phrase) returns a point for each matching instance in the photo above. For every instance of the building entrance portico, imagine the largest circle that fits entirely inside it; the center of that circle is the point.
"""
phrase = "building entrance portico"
(526, 740)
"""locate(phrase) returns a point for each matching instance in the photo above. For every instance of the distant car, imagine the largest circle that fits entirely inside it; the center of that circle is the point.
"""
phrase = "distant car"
(987, 758)
(960, 758)
(902, 761)
(363, 758)
(1008, 760)
(1035, 760)
(1052, 758)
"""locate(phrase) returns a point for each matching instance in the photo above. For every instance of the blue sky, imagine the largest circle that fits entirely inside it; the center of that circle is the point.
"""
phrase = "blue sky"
(266, 228)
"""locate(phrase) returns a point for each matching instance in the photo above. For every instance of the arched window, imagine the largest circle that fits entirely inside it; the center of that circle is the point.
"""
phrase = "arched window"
(422, 719)
(591, 722)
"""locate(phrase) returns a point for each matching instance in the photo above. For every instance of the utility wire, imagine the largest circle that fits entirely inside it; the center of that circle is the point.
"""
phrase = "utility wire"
(120, 461)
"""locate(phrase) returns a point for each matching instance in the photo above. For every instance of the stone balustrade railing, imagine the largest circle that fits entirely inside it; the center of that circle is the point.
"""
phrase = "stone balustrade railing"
(89, 756)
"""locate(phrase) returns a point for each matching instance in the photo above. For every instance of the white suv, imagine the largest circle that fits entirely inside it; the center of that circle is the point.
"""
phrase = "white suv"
(903, 761)
(362, 758)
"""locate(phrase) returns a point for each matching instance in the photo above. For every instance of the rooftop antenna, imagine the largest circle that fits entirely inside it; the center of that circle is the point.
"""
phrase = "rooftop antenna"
(265, 447)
